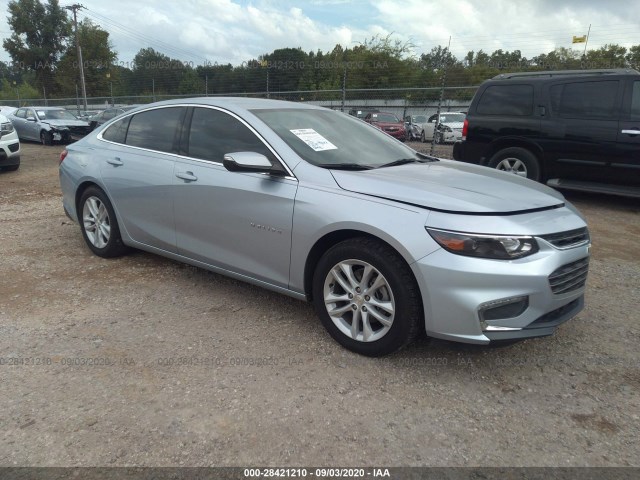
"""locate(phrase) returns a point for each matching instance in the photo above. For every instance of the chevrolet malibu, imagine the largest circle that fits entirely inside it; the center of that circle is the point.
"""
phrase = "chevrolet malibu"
(386, 242)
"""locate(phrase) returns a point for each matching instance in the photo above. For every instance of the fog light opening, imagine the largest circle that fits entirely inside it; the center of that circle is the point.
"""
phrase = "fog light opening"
(502, 309)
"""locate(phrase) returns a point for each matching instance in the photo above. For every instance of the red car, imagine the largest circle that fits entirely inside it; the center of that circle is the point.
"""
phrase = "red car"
(388, 123)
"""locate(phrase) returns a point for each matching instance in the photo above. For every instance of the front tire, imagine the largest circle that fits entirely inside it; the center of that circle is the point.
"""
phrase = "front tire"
(99, 225)
(517, 160)
(366, 297)
(422, 137)
(46, 138)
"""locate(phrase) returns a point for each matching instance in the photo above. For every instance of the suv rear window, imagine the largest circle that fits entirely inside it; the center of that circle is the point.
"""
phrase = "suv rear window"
(585, 99)
(506, 100)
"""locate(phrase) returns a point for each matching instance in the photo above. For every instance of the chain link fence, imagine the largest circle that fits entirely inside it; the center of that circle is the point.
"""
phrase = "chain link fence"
(402, 102)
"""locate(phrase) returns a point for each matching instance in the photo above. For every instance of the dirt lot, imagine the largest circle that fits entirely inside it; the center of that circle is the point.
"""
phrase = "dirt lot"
(143, 361)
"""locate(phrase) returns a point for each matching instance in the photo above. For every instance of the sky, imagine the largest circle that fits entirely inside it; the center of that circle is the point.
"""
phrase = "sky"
(235, 31)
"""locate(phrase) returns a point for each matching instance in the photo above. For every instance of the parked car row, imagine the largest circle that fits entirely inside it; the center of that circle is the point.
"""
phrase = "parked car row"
(49, 125)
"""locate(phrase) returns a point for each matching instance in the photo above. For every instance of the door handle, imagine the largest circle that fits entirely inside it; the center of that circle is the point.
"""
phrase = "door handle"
(116, 162)
(187, 176)
(631, 132)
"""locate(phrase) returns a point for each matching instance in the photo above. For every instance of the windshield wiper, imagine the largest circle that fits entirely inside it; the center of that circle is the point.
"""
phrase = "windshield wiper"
(344, 166)
(403, 161)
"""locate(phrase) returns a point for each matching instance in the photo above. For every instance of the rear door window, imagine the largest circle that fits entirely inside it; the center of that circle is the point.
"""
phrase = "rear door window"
(155, 129)
(506, 100)
(585, 99)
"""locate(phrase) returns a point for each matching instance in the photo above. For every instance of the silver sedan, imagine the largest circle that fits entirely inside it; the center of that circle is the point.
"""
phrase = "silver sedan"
(386, 242)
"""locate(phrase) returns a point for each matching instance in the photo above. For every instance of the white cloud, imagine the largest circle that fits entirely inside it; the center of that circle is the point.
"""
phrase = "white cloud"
(233, 31)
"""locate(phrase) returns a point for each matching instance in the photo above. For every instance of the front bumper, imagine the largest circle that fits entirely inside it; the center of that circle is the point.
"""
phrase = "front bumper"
(9, 150)
(453, 136)
(457, 289)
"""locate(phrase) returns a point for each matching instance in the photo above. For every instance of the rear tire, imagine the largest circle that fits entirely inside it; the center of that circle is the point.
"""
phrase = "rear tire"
(518, 161)
(367, 297)
(12, 168)
(99, 224)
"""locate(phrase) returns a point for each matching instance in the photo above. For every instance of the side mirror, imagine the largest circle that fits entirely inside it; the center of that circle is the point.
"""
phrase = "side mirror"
(31, 119)
(247, 162)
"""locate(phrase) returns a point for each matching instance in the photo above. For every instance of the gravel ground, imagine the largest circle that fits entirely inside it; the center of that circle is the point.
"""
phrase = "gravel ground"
(143, 361)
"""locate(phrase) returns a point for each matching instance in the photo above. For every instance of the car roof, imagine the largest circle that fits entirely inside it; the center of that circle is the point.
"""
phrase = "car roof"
(549, 75)
(237, 103)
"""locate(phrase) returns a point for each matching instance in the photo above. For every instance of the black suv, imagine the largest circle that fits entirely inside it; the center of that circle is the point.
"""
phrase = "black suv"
(573, 129)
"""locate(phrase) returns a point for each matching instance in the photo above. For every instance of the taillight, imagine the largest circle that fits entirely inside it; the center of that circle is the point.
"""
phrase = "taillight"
(63, 155)
(465, 129)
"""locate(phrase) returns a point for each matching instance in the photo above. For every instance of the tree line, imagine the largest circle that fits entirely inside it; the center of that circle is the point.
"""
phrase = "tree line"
(45, 63)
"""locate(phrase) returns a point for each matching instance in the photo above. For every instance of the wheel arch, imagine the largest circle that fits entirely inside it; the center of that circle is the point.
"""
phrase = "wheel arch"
(327, 241)
(524, 143)
(80, 190)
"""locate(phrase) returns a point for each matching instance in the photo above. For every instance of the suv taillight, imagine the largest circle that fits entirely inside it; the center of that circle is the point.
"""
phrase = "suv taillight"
(465, 128)
(63, 155)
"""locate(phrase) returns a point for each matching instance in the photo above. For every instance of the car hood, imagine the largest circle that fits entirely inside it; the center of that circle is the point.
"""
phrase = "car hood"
(66, 123)
(388, 124)
(452, 187)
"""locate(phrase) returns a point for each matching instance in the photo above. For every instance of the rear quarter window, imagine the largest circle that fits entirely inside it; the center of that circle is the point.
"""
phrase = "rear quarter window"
(506, 100)
(117, 132)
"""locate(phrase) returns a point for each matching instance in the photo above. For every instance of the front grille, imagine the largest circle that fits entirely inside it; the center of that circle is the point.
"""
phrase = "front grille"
(14, 147)
(79, 130)
(569, 277)
(568, 239)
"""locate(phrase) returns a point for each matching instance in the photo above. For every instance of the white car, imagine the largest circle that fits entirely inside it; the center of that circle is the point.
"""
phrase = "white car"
(9, 145)
(448, 129)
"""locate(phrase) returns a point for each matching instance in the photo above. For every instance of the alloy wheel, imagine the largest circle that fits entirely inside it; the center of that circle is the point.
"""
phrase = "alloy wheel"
(513, 165)
(359, 300)
(96, 222)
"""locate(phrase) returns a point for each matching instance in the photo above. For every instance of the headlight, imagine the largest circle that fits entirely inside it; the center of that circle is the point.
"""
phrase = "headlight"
(6, 128)
(501, 247)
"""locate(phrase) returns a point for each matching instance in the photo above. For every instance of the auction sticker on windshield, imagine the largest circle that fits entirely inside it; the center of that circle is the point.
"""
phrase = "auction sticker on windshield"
(314, 139)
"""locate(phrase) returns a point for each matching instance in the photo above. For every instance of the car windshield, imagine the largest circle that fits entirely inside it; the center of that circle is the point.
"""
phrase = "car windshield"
(419, 119)
(384, 117)
(332, 139)
(55, 115)
(452, 118)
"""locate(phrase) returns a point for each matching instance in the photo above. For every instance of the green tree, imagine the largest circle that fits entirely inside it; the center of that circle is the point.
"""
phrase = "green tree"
(286, 67)
(39, 37)
(633, 57)
(154, 71)
(14, 91)
(608, 56)
(98, 59)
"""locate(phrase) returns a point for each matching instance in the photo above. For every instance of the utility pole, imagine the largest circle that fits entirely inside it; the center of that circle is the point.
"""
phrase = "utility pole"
(344, 88)
(436, 127)
(74, 8)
